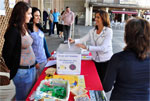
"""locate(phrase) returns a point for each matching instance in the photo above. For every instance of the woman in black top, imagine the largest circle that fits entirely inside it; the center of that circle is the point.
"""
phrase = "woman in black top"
(17, 52)
(129, 70)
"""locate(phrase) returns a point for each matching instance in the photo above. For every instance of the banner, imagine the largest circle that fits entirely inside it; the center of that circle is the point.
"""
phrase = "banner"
(11, 3)
(2, 7)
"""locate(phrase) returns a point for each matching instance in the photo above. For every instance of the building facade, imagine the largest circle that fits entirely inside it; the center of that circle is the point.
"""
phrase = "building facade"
(119, 10)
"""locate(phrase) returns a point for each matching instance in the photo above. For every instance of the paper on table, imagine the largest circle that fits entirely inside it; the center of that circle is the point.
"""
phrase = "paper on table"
(50, 63)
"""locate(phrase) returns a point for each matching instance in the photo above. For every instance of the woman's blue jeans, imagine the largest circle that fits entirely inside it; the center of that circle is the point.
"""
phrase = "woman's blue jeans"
(24, 81)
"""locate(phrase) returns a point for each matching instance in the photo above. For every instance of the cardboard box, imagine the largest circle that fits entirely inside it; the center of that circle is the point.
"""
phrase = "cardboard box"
(68, 59)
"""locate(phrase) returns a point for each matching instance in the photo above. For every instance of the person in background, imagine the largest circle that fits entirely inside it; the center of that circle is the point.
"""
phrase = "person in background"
(45, 16)
(56, 18)
(17, 51)
(38, 40)
(129, 71)
(61, 24)
(68, 18)
(51, 19)
(76, 19)
(101, 42)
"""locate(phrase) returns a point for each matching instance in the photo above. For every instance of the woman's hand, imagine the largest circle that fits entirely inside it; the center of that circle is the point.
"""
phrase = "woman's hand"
(71, 40)
(81, 46)
(51, 58)
(37, 66)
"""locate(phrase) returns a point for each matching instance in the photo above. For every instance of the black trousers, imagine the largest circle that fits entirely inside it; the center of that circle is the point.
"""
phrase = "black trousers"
(66, 30)
(101, 69)
(45, 24)
(56, 23)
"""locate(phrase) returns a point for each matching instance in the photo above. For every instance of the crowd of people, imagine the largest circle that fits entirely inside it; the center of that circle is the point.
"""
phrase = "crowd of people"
(25, 51)
(62, 22)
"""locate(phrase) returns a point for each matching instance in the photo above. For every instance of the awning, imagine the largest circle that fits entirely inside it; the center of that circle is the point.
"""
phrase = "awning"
(146, 13)
(124, 12)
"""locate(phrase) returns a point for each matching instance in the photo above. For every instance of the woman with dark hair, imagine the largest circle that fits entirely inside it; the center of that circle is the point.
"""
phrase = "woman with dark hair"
(39, 41)
(17, 52)
(129, 70)
(61, 24)
(101, 42)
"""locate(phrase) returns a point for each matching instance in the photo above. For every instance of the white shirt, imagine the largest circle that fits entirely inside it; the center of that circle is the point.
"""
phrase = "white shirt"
(101, 44)
(51, 16)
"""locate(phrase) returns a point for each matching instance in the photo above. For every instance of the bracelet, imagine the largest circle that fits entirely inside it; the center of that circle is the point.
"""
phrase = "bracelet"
(87, 47)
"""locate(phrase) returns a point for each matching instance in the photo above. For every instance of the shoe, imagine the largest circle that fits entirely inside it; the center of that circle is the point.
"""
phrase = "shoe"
(65, 42)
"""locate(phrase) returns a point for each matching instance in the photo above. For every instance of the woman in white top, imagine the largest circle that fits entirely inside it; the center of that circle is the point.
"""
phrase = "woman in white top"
(101, 42)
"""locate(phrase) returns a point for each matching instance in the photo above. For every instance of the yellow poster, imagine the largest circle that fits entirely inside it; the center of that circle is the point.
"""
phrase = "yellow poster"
(74, 80)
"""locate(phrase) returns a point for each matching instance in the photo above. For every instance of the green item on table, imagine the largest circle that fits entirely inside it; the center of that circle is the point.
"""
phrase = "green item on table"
(46, 88)
(59, 92)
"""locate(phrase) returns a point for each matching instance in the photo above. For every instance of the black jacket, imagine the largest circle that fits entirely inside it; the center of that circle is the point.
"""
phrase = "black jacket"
(12, 50)
(131, 76)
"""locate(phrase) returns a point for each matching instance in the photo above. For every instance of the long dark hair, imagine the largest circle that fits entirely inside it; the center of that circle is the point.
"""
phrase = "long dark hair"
(62, 12)
(105, 18)
(137, 37)
(30, 25)
(18, 17)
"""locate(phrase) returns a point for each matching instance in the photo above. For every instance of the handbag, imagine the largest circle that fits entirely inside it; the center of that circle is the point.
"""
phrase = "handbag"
(4, 80)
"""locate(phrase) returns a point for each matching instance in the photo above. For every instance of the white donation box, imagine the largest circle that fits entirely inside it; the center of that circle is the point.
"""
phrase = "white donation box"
(68, 59)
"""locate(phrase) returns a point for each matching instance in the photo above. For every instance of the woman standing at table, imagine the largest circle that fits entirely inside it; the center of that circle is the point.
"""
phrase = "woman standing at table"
(39, 41)
(129, 70)
(101, 42)
(17, 52)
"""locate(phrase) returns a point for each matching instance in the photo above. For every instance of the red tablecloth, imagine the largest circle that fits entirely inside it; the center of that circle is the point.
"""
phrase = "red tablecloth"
(88, 69)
